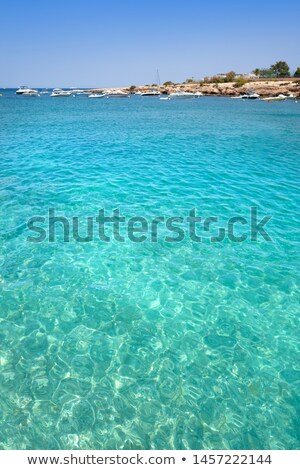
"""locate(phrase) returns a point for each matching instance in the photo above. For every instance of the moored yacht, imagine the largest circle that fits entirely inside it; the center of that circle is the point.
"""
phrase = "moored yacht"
(31, 93)
(275, 98)
(116, 94)
(250, 95)
(58, 92)
(25, 89)
(150, 93)
(154, 90)
(181, 95)
(97, 95)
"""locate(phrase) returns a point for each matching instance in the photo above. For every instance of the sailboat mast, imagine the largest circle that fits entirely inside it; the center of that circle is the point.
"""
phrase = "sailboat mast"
(158, 78)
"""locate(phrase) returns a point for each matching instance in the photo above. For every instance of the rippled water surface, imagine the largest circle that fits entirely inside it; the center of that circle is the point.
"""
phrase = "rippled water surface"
(149, 345)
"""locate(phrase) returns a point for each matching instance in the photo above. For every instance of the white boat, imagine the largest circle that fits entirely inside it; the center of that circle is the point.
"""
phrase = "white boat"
(138, 93)
(181, 95)
(154, 91)
(25, 89)
(59, 93)
(116, 94)
(198, 94)
(31, 93)
(275, 98)
(150, 93)
(44, 92)
(250, 95)
(164, 98)
(97, 95)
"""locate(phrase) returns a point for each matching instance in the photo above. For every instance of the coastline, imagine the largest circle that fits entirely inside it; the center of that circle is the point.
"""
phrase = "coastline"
(264, 87)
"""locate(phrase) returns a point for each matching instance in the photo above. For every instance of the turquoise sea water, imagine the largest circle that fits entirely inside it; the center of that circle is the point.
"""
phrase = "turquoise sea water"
(149, 345)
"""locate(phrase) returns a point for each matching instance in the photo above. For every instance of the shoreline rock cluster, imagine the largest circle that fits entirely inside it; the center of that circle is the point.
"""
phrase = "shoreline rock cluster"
(263, 87)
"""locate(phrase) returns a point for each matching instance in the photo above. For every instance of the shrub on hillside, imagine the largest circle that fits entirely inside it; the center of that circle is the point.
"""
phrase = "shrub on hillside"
(240, 82)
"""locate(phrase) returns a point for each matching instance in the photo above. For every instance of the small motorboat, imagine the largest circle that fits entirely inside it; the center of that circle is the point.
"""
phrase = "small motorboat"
(59, 93)
(31, 93)
(96, 95)
(116, 94)
(181, 95)
(250, 95)
(275, 98)
(198, 94)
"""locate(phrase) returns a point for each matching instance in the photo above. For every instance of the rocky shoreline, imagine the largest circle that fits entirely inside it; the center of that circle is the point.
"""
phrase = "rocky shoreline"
(264, 88)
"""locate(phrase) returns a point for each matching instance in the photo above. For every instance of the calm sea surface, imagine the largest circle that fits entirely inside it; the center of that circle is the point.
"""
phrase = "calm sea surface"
(162, 345)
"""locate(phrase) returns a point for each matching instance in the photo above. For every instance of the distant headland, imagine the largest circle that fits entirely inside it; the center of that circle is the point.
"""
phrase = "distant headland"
(274, 80)
(264, 87)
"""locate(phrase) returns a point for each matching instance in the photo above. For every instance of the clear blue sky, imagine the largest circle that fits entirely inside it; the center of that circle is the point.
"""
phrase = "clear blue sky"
(119, 43)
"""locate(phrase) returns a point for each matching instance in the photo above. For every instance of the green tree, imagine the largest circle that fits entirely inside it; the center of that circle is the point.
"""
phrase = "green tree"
(281, 69)
(169, 83)
(297, 73)
(230, 76)
(189, 80)
(257, 72)
(266, 73)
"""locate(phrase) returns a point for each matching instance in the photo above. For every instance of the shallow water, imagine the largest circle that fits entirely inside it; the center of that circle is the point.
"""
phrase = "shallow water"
(149, 345)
